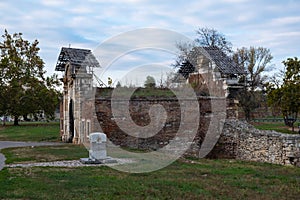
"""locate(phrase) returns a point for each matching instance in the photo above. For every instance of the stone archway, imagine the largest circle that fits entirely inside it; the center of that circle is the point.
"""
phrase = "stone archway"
(71, 120)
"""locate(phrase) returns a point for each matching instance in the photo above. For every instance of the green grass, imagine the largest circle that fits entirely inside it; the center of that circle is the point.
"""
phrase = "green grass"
(44, 154)
(138, 93)
(184, 179)
(203, 179)
(30, 123)
(30, 132)
(276, 126)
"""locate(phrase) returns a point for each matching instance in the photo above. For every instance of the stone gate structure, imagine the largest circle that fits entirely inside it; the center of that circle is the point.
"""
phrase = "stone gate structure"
(86, 109)
(77, 65)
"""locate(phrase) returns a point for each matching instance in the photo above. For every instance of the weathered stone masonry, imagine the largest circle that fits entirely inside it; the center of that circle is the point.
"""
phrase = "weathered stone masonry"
(81, 115)
(139, 111)
(239, 140)
(242, 141)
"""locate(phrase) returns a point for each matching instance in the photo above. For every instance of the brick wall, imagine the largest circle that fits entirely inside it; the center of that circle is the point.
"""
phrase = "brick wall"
(139, 112)
(238, 140)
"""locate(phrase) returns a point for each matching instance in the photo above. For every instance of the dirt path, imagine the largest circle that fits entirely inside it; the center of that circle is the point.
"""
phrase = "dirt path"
(9, 144)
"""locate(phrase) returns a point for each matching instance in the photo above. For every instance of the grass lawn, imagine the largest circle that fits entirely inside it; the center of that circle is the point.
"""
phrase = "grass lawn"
(202, 179)
(276, 126)
(139, 92)
(44, 154)
(30, 132)
(184, 179)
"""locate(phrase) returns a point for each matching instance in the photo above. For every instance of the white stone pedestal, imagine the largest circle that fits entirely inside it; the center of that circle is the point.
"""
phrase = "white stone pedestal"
(97, 152)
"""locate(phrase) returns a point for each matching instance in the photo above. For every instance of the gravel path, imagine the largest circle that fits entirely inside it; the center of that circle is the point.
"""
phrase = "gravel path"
(69, 163)
(8, 144)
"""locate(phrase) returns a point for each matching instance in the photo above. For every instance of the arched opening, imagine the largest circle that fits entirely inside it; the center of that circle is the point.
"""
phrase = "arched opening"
(71, 120)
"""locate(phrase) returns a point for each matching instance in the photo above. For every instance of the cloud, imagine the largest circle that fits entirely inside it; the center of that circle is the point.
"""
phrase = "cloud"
(140, 39)
(53, 3)
(283, 21)
(235, 1)
(86, 24)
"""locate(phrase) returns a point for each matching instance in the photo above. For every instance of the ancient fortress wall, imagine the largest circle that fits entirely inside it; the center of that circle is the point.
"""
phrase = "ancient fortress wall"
(139, 112)
(238, 140)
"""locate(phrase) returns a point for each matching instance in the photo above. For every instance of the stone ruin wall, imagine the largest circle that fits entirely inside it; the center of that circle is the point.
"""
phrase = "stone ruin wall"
(139, 109)
(238, 140)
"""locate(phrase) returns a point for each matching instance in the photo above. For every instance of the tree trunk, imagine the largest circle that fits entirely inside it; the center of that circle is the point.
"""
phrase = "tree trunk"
(16, 120)
(4, 121)
(247, 114)
(25, 118)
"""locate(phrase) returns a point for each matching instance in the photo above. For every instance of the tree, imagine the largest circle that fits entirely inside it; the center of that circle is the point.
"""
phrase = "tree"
(274, 82)
(186, 68)
(189, 53)
(287, 95)
(23, 84)
(118, 84)
(210, 37)
(255, 61)
(150, 82)
(3, 103)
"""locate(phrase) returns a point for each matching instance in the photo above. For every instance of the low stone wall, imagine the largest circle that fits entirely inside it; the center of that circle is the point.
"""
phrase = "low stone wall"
(242, 141)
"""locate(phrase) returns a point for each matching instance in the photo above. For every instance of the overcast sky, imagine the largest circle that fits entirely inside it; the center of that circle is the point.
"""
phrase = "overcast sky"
(274, 24)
